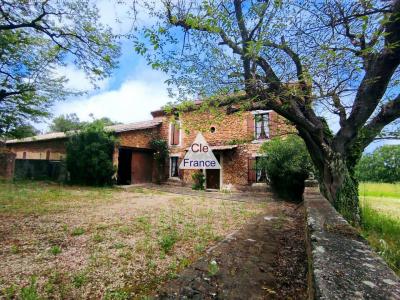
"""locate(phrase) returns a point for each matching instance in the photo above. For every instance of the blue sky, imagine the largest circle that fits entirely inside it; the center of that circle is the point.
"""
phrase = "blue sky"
(133, 90)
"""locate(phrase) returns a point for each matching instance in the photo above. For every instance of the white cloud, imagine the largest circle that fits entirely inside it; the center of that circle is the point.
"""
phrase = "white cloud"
(77, 79)
(119, 15)
(132, 101)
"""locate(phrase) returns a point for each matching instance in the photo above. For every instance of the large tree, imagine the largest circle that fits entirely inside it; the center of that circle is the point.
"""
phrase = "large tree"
(307, 60)
(36, 39)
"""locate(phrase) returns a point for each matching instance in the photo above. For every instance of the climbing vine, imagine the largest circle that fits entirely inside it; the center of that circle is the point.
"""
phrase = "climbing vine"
(161, 153)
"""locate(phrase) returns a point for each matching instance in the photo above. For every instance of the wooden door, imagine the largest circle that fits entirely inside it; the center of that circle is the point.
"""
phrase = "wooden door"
(142, 167)
(213, 176)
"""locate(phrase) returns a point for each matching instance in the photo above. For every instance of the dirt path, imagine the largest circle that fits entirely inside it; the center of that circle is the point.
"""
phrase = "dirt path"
(264, 260)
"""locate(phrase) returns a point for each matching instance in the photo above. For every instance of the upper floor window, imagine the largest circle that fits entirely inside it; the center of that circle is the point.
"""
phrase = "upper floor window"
(261, 126)
(175, 132)
(24, 155)
(47, 155)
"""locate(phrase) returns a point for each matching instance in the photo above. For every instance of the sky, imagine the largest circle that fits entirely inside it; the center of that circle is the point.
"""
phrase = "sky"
(129, 95)
(133, 90)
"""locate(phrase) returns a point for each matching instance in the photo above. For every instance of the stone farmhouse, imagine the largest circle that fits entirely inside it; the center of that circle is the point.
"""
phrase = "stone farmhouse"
(235, 140)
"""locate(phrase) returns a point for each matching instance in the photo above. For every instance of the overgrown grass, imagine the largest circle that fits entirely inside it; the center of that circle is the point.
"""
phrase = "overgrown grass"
(107, 243)
(378, 189)
(34, 197)
(380, 208)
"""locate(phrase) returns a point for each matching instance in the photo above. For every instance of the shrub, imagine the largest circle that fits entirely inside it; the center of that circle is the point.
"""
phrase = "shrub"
(383, 165)
(89, 156)
(287, 164)
(199, 181)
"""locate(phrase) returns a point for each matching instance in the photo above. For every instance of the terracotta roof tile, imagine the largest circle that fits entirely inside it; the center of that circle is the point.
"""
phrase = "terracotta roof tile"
(113, 128)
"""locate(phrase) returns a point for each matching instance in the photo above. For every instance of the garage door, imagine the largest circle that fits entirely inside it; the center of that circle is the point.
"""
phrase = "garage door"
(142, 167)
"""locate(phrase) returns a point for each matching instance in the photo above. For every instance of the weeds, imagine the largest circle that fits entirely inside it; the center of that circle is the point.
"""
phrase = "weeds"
(77, 231)
(30, 292)
(79, 280)
(168, 240)
(55, 250)
(213, 268)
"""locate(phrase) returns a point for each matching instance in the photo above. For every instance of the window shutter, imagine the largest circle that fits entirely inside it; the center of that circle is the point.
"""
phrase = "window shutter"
(176, 134)
(252, 170)
(172, 133)
(250, 125)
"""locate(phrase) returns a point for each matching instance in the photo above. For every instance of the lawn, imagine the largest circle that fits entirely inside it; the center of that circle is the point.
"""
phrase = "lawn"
(380, 206)
(76, 242)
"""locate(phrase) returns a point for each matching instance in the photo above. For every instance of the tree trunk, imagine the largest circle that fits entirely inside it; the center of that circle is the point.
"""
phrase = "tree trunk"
(335, 175)
(341, 188)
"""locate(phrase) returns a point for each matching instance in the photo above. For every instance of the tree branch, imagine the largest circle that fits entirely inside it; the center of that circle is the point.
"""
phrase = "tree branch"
(388, 113)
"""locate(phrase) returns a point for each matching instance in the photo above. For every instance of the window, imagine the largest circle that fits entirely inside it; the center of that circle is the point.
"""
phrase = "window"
(47, 155)
(174, 167)
(175, 133)
(256, 172)
(261, 126)
(261, 174)
(24, 155)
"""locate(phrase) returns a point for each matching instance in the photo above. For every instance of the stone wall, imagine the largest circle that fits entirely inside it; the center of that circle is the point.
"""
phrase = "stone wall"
(341, 263)
(137, 138)
(38, 149)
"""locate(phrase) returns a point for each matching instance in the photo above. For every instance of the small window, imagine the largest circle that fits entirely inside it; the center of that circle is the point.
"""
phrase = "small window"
(175, 133)
(174, 167)
(212, 129)
(261, 126)
(47, 155)
(24, 155)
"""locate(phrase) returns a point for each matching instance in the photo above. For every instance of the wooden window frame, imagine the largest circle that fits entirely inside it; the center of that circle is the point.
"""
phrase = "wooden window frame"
(263, 135)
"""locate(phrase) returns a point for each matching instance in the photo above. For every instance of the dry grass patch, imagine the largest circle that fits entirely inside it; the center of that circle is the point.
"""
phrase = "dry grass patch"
(104, 243)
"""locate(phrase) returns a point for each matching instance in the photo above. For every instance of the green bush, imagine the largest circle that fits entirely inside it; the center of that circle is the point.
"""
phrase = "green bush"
(383, 165)
(287, 164)
(199, 181)
(89, 156)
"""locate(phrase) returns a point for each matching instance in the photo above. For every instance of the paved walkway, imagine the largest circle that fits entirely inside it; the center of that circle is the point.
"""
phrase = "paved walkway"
(181, 190)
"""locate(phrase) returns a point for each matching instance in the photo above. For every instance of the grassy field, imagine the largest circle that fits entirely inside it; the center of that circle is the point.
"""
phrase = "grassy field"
(77, 243)
(380, 204)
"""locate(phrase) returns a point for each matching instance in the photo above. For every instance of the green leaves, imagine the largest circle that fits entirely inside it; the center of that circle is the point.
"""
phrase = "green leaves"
(46, 36)
(287, 164)
(383, 165)
(89, 156)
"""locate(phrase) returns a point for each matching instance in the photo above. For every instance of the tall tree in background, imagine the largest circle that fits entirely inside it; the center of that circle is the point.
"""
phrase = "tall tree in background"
(22, 131)
(304, 59)
(37, 37)
(70, 122)
(64, 123)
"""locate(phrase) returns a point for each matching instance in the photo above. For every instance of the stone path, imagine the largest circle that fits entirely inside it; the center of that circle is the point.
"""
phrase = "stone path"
(264, 260)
